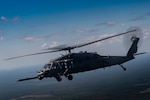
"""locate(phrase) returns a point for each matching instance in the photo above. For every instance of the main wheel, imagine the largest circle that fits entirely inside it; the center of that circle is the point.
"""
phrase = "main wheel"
(70, 77)
(59, 79)
(40, 78)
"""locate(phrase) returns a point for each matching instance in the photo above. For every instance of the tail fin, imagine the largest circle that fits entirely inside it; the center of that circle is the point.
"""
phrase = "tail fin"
(133, 49)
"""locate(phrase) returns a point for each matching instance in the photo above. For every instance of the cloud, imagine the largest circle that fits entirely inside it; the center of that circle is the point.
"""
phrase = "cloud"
(39, 38)
(85, 30)
(112, 40)
(141, 17)
(53, 44)
(123, 24)
(146, 33)
(32, 39)
(148, 14)
(138, 18)
(145, 91)
(109, 41)
(44, 45)
(1, 38)
(4, 18)
(110, 23)
(50, 45)
(54, 35)
(16, 18)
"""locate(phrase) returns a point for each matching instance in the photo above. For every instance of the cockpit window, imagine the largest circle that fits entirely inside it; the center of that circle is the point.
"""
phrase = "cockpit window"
(46, 67)
(49, 65)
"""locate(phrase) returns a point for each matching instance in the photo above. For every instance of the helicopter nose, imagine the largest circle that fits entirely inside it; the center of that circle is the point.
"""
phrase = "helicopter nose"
(40, 75)
(44, 73)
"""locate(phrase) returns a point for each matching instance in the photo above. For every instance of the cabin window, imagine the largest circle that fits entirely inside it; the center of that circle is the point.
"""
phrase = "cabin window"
(59, 65)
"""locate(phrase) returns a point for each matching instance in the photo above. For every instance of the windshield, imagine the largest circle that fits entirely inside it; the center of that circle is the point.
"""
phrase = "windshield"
(46, 67)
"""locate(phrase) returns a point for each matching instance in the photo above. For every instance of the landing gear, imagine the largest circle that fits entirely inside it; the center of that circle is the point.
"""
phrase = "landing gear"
(40, 77)
(123, 67)
(58, 78)
(70, 77)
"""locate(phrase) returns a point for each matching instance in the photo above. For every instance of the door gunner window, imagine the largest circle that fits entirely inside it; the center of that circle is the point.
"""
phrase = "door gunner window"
(54, 66)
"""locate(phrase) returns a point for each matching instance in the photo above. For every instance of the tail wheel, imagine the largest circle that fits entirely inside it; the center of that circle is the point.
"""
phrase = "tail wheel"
(70, 77)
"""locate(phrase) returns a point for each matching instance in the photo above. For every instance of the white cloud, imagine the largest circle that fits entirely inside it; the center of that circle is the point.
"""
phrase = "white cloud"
(122, 24)
(85, 30)
(4, 18)
(146, 33)
(49, 45)
(1, 38)
(109, 41)
(44, 45)
(40, 38)
(112, 40)
(109, 23)
(54, 44)
(32, 39)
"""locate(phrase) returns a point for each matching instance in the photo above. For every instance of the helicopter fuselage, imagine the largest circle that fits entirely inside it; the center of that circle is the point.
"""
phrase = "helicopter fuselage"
(79, 62)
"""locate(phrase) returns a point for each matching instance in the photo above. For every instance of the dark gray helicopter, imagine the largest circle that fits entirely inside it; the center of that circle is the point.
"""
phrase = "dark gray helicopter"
(72, 63)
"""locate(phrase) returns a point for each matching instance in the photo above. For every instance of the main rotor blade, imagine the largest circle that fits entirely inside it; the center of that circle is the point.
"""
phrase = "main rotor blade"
(69, 48)
(25, 79)
(85, 44)
(57, 47)
(31, 54)
(78, 46)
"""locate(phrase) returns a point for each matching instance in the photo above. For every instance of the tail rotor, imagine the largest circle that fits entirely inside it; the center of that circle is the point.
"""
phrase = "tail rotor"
(129, 38)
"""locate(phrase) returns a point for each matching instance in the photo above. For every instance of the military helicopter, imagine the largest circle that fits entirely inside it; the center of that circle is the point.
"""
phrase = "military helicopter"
(72, 63)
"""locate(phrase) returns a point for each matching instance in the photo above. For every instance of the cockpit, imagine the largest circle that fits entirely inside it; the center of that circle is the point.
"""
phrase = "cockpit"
(46, 67)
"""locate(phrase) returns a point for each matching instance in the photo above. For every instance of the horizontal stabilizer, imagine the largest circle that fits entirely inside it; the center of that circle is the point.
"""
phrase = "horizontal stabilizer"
(139, 53)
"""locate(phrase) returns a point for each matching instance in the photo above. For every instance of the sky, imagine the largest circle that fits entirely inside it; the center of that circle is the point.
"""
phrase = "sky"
(28, 26)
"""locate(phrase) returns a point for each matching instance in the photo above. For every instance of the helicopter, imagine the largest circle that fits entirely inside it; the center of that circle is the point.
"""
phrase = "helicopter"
(72, 63)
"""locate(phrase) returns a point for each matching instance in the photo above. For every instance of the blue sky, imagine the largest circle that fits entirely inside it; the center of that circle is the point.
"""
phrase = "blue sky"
(27, 26)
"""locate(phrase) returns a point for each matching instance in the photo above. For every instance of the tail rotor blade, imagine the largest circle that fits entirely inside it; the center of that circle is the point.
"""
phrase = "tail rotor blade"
(127, 38)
